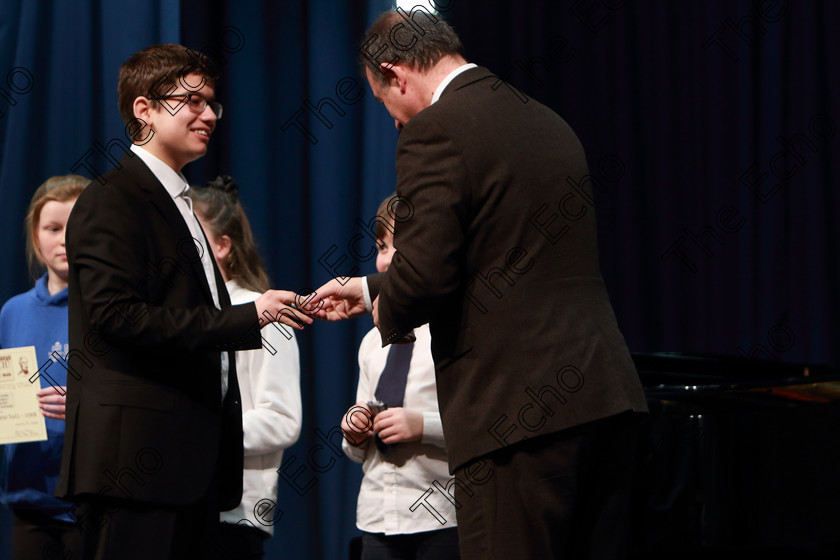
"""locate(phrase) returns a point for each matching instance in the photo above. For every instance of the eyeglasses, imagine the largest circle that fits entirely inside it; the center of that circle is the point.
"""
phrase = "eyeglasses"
(195, 102)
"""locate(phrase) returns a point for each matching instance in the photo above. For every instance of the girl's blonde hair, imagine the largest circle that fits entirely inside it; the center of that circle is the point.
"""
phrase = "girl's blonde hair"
(59, 189)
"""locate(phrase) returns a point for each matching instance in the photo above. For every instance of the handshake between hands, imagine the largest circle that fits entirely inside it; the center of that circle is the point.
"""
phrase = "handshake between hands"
(333, 301)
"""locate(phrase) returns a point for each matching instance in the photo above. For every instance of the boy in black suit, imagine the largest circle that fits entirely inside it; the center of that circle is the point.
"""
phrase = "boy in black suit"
(153, 446)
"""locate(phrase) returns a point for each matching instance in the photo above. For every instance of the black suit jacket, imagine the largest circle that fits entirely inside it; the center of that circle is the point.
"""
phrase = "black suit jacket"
(145, 417)
(498, 253)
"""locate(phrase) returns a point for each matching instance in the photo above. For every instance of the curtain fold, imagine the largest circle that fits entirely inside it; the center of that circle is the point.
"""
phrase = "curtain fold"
(720, 233)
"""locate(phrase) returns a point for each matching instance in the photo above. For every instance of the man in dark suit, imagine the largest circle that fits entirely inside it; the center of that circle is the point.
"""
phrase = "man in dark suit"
(153, 447)
(536, 385)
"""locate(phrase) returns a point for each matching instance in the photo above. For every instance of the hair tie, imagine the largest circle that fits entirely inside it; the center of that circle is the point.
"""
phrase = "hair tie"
(225, 183)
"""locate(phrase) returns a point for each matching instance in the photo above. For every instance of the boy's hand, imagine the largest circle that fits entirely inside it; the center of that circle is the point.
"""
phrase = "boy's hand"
(357, 424)
(399, 425)
(276, 306)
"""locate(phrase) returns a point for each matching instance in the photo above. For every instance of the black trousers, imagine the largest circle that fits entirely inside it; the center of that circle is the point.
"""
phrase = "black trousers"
(428, 545)
(241, 542)
(564, 495)
(115, 529)
(36, 537)
(127, 530)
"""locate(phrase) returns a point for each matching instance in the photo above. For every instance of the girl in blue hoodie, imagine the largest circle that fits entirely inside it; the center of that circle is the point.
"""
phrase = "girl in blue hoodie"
(42, 525)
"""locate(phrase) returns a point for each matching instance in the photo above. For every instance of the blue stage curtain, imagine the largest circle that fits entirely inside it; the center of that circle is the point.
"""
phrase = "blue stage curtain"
(682, 107)
(711, 135)
(59, 62)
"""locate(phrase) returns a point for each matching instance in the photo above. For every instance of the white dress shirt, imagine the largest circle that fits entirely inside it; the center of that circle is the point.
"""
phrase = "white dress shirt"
(449, 77)
(392, 486)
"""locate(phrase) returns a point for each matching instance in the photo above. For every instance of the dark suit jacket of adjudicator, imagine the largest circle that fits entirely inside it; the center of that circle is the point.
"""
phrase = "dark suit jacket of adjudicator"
(145, 418)
(523, 333)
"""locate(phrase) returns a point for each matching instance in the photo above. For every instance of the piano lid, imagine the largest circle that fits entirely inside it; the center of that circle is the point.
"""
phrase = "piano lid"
(674, 374)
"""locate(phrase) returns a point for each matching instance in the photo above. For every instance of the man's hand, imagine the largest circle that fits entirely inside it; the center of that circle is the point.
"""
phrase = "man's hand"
(398, 425)
(52, 400)
(357, 425)
(339, 301)
(275, 306)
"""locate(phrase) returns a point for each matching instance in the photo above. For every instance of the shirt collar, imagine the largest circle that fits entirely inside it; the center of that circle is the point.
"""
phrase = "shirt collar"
(174, 182)
(451, 76)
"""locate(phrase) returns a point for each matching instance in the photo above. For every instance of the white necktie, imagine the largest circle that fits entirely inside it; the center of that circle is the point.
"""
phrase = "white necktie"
(207, 264)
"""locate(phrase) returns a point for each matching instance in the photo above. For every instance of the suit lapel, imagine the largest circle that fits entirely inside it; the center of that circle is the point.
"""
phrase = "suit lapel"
(224, 297)
(180, 233)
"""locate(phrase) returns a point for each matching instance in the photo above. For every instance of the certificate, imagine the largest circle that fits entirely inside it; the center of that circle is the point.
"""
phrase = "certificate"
(20, 414)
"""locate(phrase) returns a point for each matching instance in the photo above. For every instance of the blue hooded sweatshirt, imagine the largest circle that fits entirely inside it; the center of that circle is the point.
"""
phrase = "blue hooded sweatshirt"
(30, 470)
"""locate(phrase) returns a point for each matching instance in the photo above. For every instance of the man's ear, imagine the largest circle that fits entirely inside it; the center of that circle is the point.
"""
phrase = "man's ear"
(395, 74)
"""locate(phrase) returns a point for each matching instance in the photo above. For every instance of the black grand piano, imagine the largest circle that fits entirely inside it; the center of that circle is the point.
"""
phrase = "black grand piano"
(739, 456)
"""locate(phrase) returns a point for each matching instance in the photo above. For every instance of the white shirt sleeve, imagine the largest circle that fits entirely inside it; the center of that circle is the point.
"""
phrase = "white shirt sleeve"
(433, 429)
(366, 295)
(274, 422)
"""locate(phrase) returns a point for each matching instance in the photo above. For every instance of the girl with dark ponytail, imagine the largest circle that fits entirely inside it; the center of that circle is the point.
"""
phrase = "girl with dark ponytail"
(217, 207)
(269, 382)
